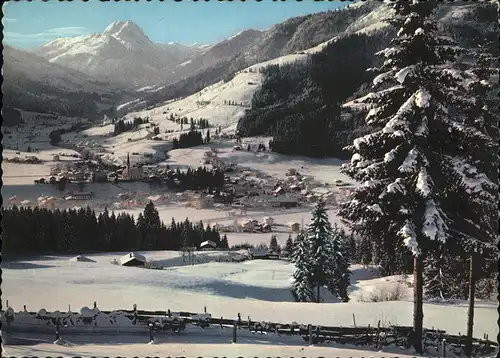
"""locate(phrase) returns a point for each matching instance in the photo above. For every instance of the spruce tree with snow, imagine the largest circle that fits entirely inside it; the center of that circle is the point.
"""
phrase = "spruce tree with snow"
(289, 244)
(273, 244)
(414, 161)
(328, 254)
(339, 275)
(302, 288)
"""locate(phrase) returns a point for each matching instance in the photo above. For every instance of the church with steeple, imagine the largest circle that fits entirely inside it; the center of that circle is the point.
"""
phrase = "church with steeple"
(132, 173)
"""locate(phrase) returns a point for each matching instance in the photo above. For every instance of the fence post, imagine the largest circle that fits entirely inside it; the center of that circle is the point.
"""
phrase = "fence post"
(239, 320)
(234, 331)
(310, 329)
(354, 319)
(377, 343)
(249, 325)
(135, 314)
(7, 303)
(24, 308)
(150, 325)
(95, 304)
(221, 325)
(57, 328)
(205, 309)
(292, 329)
(444, 348)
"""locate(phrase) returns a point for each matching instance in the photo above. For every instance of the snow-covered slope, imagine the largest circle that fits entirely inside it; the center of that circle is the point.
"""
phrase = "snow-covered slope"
(215, 102)
(121, 53)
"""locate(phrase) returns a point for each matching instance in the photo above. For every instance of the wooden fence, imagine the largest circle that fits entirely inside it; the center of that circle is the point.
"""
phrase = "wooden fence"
(376, 336)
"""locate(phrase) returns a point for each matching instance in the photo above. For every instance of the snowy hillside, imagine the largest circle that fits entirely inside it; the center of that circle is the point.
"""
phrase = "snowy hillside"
(213, 102)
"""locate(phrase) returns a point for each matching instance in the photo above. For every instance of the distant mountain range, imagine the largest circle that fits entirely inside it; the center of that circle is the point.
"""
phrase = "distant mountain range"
(122, 64)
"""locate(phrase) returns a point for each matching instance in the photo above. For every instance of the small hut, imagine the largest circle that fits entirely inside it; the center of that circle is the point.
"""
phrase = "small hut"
(208, 245)
(132, 259)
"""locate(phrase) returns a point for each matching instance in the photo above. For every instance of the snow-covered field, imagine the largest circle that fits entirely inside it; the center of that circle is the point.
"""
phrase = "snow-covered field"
(190, 346)
(259, 289)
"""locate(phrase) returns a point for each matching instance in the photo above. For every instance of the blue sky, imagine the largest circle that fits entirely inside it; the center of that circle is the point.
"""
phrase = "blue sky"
(30, 24)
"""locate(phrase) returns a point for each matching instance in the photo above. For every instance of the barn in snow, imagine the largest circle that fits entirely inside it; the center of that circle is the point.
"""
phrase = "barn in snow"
(132, 259)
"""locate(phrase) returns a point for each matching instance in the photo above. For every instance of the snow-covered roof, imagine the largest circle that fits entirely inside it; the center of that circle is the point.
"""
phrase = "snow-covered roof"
(208, 243)
(321, 190)
(81, 258)
(131, 256)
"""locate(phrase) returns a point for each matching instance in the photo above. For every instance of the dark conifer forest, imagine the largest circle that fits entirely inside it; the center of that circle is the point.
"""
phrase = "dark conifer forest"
(299, 104)
(124, 126)
(186, 140)
(40, 231)
(197, 179)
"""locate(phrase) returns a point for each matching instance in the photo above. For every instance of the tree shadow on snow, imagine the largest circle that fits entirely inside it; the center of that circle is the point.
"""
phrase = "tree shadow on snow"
(23, 265)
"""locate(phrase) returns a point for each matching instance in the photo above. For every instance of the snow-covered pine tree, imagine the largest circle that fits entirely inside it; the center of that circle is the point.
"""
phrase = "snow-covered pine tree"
(289, 244)
(328, 254)
(273, 244)
(408, 162)
(302, 288)
(339, 276)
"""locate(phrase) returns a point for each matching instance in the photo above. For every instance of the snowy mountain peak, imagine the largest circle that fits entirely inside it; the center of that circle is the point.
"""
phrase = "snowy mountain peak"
(119, 26)
(128, 33)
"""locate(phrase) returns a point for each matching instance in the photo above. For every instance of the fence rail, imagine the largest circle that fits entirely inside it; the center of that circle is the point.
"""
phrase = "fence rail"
(159, 321)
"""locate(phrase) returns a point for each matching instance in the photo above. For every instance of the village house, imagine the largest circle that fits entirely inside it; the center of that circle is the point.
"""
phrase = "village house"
(81, 196)
(294, 226)
(26, 203)
(268, 220)
(201, 201)
(262, 254)
(208, 245)
(285, 202)
(155, 199)
(47, 202)
(13, 200)
(248, 225)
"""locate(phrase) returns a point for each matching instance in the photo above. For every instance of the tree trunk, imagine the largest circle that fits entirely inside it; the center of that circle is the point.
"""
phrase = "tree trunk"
(470, 313)
(418, 313)
(318, 299)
